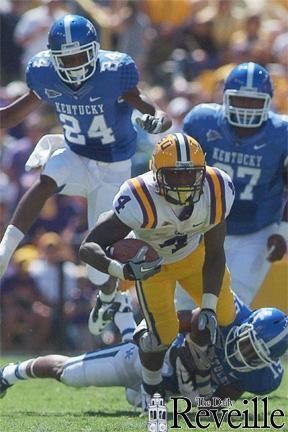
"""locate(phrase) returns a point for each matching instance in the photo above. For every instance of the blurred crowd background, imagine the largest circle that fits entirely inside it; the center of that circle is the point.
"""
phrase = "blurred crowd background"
(184, 49)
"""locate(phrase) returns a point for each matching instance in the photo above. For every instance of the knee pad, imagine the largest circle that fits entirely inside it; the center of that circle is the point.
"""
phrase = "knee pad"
(146, 340)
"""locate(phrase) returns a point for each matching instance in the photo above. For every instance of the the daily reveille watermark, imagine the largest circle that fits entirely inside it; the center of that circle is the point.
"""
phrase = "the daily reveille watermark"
(254, 414)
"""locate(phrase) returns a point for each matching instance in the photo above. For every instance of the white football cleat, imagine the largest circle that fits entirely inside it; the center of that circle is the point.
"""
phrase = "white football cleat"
(103, 313)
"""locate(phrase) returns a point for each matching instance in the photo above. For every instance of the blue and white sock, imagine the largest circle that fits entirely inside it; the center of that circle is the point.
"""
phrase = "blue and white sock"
(126, 324)
(13, 373)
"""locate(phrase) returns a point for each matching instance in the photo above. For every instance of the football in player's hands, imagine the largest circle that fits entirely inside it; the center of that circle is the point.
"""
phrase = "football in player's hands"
(188, 323)
(140, 260)
(200, 337)
(127, 249)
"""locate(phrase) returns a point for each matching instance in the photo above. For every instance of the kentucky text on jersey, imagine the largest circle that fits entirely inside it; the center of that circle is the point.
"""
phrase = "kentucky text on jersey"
(236, 158)
(79, 110)
(96, 121)
(255, 164)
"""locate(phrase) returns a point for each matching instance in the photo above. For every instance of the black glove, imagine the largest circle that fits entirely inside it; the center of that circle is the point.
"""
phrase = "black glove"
(150, 123)
(207, 319)
(139, 269)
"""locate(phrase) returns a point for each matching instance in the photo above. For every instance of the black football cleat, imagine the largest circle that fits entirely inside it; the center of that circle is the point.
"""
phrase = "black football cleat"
(4, 385)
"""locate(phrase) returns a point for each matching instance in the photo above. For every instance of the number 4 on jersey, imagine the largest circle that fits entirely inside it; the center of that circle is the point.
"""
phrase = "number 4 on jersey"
(122, 200)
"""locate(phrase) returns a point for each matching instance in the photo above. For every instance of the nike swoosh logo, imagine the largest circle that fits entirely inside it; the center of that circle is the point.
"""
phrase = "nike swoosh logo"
(144, 270)
(195, 225)
(93, 99)
(258, 147)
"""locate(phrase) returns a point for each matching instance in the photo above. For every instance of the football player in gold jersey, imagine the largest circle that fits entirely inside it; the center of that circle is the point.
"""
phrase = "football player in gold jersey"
(178, 207)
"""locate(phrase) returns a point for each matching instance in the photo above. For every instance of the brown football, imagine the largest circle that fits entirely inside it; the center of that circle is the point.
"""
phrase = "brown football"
(200, 337)
(188, 323)
(126, 249)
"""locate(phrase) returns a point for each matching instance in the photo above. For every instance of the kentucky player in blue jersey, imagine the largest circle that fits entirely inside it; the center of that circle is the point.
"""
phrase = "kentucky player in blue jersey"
(245, 359)
(248, 141)
(93, 93)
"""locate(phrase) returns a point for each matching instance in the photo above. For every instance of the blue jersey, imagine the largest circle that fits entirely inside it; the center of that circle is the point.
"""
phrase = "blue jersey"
(96, 121)
(258, 381)
(254, 163)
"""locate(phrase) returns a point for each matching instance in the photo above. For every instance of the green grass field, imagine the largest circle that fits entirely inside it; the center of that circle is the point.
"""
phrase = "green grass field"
(49, 406)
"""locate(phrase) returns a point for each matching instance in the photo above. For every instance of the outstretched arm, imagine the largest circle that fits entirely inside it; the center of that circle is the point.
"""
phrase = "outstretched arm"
(16, 112)
(155, 121)
(214, 264)
(213, 272)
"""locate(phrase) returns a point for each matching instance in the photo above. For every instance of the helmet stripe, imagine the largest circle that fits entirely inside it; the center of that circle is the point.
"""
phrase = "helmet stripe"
(278, 338)
(183, 154)
(250, 74)
(67, 28)
(178, 149)
(187, 148)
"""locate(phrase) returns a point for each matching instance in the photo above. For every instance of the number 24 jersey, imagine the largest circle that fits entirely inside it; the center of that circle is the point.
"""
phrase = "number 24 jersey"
(95, 119)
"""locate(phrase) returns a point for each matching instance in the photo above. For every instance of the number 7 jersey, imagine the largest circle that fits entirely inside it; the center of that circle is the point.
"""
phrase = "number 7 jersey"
(255, 163)
(95, 119)
(173, 231)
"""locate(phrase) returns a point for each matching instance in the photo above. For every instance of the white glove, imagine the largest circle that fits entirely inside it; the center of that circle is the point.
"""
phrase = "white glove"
(200, 358)
(47, 145)
(199, 373)
(150, 123)
(185, 381)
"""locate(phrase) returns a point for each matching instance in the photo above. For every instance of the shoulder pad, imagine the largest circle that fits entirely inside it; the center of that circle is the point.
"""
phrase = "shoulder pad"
(199, 116)
(134, 204)
(42, 59)
(36, 70)
(222, 193)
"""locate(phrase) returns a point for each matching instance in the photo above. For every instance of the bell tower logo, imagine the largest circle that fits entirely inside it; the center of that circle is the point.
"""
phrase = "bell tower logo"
(157, 414)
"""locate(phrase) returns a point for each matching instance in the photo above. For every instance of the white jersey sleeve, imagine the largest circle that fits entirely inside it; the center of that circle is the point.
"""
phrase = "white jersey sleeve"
(127, 208)
(229, 192)
(221, 194)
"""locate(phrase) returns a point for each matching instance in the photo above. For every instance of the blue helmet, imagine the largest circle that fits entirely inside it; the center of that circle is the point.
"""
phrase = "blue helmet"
(259, 341)
(247, 80)
(73, 35)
